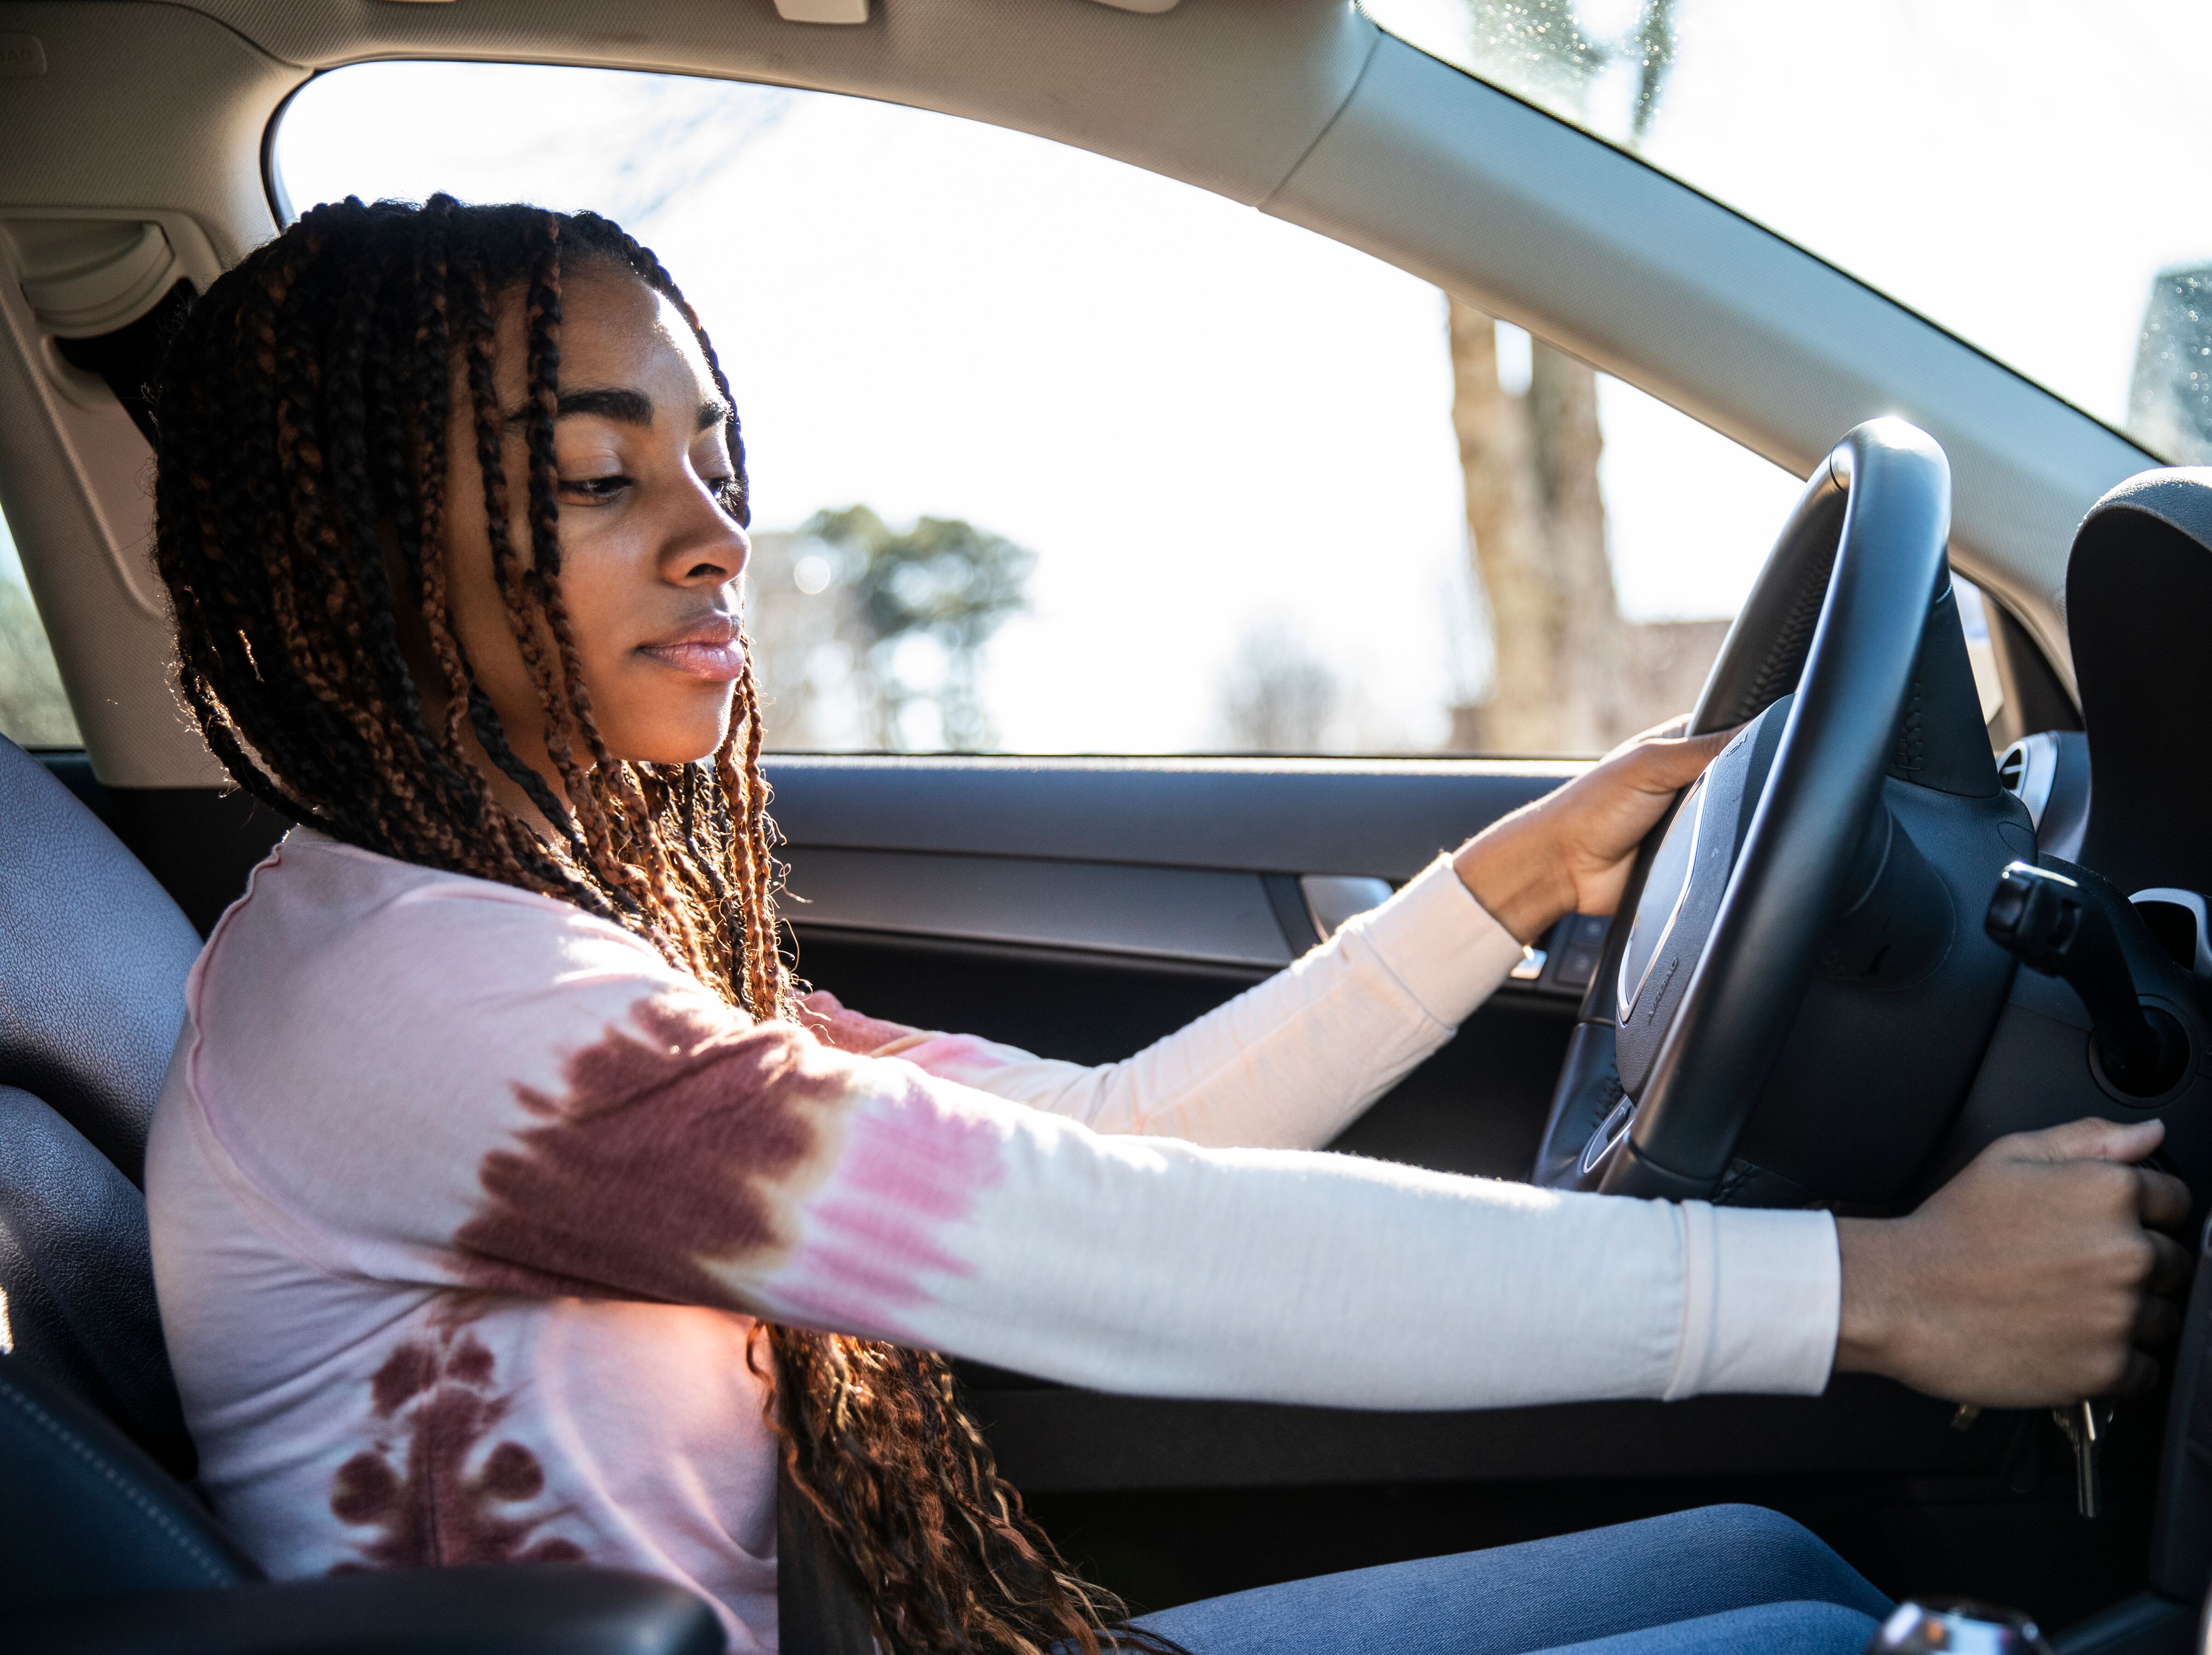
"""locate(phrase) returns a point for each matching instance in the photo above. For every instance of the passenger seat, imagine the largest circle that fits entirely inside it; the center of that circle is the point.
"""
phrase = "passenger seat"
(103, 1546)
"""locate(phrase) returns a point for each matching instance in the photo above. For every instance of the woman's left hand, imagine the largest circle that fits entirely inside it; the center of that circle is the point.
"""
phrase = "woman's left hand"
(1570, 850)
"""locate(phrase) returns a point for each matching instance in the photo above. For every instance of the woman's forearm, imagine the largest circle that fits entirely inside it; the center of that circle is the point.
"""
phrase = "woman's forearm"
(1154, 1267)
(1292, 1061)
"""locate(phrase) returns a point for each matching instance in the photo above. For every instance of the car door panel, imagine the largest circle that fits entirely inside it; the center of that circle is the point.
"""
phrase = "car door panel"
(1388, 818)
(1174, 887)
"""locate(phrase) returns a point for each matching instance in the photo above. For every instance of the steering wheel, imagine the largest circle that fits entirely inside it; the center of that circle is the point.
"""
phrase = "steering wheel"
(1736, 893)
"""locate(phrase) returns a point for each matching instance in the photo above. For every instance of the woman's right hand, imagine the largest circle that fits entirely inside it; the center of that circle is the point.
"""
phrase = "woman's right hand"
(2037, 1277)
(1570, 850)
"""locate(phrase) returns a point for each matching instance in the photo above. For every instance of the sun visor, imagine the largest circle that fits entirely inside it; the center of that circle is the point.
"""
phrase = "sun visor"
(2139, 614)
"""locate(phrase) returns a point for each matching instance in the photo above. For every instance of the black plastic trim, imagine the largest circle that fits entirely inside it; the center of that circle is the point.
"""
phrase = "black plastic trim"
(198, 842)
(1389, 818)
(513, 1609)
(1055, 1439)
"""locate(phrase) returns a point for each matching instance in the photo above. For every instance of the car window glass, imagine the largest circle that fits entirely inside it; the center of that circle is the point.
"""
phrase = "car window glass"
(2018, 170)
(34, 711)
(1051, 454)
(1981, 651)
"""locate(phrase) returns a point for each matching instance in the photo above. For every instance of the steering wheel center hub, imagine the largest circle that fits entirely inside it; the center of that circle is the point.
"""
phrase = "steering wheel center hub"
(1682, 893)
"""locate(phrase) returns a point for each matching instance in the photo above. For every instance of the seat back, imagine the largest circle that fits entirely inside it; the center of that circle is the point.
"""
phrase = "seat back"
(76, 1281)
(93, 1445)
(86, 1515)
(92, 958)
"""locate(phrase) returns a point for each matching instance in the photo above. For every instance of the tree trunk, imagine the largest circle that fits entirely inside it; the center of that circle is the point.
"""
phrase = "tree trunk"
(1527, 619)
(1583, 682)
(1528, 466)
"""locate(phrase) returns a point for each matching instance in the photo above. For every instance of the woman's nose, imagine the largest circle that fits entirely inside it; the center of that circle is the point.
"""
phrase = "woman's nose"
(710, 553)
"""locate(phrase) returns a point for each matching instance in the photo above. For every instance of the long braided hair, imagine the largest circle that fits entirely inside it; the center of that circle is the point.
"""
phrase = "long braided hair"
(302, 413)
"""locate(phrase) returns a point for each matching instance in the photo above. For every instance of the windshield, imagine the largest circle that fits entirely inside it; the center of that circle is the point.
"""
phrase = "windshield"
(2026, 174)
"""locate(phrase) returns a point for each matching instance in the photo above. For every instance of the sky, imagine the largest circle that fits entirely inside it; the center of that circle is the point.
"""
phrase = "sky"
(1205, 422)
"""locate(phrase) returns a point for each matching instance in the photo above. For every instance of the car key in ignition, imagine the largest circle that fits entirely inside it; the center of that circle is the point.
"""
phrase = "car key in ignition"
(2083, 1425)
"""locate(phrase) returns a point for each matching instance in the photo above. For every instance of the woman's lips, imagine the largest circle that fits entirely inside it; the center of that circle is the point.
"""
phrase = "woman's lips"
(709, 651)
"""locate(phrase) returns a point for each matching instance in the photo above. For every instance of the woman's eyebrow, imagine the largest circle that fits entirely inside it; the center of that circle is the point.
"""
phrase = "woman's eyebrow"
(623, 407)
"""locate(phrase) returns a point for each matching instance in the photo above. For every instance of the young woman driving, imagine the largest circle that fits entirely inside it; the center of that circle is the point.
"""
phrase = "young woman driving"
(510, 1202)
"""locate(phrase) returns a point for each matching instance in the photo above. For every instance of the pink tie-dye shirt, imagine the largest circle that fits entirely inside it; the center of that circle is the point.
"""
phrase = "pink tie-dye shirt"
(463, 1202)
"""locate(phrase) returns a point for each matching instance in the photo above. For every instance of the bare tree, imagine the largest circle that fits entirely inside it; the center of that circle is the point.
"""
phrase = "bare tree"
(1276, 695)
(1526, 600)
(1653, 44)
(1571, 674)
(806, 647)
(2170, 396)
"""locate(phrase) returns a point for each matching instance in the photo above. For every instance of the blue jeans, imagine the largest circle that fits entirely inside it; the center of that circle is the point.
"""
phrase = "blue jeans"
(1723, 1580)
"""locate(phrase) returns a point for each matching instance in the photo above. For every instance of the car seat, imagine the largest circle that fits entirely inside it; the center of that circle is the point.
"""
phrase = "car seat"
(103, 1545)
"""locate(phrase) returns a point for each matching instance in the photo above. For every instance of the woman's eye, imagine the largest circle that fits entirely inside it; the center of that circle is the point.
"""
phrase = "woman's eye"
(594, 489)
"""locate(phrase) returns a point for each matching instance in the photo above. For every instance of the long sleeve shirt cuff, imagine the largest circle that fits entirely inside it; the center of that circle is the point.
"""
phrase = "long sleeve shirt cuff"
(1761, 1303)
(1440, 942)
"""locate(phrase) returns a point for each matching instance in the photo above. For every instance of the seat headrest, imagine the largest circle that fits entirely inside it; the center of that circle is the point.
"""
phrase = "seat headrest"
(92, 958)
(2138, 607)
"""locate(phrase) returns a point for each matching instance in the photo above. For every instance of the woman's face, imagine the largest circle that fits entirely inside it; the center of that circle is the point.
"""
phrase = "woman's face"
(649, 560)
